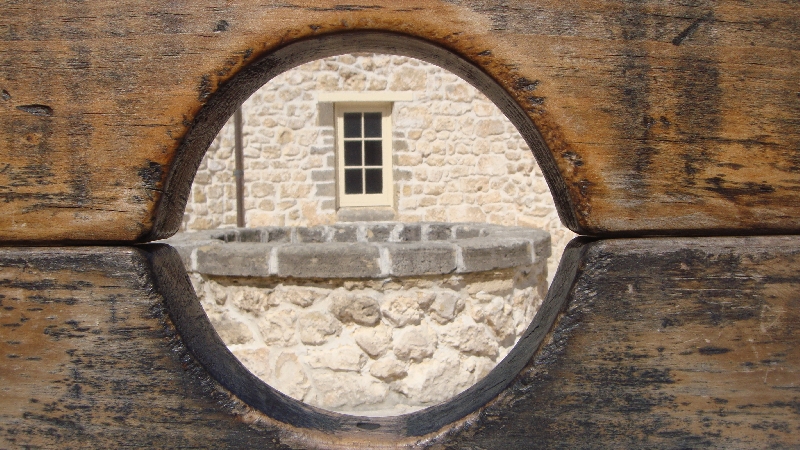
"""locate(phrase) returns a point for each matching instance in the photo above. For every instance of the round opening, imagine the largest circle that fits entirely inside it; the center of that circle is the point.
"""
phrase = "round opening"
(374, 306)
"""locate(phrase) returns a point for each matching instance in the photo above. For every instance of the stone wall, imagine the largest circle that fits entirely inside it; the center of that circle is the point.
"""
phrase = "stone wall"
(373, 347)
(456, 157)
(407, 316)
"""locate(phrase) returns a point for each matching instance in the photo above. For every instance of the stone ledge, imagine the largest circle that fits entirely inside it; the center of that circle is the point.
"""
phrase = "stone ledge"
(328, 260)
(361, 249)
(421, 258)
(234, 259)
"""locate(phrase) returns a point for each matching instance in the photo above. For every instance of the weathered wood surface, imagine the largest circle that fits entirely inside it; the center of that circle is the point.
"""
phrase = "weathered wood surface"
(90, 359)
(665, 343)
(658, 117)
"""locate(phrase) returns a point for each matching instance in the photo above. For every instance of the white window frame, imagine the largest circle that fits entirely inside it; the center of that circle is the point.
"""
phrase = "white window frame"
(386, 198)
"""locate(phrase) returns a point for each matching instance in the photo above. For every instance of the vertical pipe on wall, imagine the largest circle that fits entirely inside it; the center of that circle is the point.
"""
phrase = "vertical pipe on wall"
(238, 172)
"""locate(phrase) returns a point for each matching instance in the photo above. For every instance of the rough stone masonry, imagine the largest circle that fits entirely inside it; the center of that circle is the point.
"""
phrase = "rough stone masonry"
(457, 158)
(379, 324)
(402, 340)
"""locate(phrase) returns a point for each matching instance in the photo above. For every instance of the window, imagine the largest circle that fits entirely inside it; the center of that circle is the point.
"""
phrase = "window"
(364, 154)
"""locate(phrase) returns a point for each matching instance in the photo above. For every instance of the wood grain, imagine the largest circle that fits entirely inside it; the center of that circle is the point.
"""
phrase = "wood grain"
(667, 343)
(656, 117)
(90, 359)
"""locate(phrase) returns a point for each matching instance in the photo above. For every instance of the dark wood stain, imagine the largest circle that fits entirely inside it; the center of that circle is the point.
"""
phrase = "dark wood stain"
(613, 375)
(685, 342)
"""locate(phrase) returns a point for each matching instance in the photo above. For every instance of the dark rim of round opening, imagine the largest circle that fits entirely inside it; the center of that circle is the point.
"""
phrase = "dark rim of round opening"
(189, 317)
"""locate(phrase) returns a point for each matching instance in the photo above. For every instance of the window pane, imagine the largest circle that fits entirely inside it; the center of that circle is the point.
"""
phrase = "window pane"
(373, 154)
(352, 125)
(352, 153)
(352, 181)
(372, 124)
(374, 180)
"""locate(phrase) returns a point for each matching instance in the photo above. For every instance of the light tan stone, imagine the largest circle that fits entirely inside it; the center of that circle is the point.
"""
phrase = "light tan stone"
(458, 92)
(435, 380)
(345, 358)
(277, 326)
(401, 309)
(300, 296)
(414, 343)
(388, 370)
(408, 79)
(230, 330)
(374, 340)
(256, 360)
(346, 391)
(470, 338)
(261, 189)
(357, 308)
(316, 328)
(446, 306)
(251, 300)
(289, 376)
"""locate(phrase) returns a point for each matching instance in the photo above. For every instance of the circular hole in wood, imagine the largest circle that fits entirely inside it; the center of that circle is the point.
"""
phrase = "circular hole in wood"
(400, 333)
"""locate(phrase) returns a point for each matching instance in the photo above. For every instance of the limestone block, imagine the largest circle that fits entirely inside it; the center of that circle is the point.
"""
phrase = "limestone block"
(408, 79)
(256, 360)
(458, 92)
(500, 285)
(295, 190)
(451, 198)
(488, 254)
(388, 370)
(261, 189)
(374, 340)
(234, 259)
(311, 235)
(346, 358)
(213, 293)
(343, 389)
(317, 327)
(323, 175)
(425, 298)
(484, 109)
(409, 159)
(357, 308)
(414, 343)
(446, 306)
(468, 213)
(277, 326)
(434, 189)
(344, 233)
(498, 314)
(444, 123)
(297, 295)
(250, 299)
(401, 309)
(470, 338)
(502, 323)
(413, 117)
(494, 165)
(421, 258)
(328, 260)
(435, 380)
(230, 330)
(290, 376)
(377, 85)
(489, 127)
